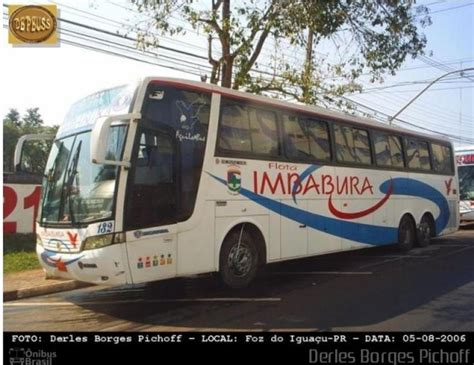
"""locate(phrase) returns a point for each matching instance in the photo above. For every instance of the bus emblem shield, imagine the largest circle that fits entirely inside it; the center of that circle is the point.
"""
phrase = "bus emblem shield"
(233, 180)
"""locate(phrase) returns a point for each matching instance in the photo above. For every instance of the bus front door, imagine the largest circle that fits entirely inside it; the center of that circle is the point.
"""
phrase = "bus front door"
(150, 208)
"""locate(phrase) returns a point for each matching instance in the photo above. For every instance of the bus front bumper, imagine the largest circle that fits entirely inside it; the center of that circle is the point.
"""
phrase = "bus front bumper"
(102, 266)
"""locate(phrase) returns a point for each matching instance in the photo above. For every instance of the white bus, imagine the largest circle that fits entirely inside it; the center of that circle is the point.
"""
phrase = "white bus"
(170, 178)
(465, 162)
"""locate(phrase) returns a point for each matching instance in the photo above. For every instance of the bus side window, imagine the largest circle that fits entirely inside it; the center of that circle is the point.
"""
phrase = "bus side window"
(234, 129)
(425, 161)
(383, 156)
(396, 151)
(361, 146)
(344, 144)
(413, 155)
(418, 154)
(442, 158)
(264, 134)
(295, 136)
(388, 151)
(352, 145)
(319, 139)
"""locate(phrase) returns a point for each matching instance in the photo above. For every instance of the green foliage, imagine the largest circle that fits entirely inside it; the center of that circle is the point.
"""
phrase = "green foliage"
(19, 252)
(20, 261)
(35, 153)
(372, 37)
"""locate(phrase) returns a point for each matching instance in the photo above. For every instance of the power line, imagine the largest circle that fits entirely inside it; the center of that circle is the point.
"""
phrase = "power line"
(424, 111)
(416, 90)
(109, 43)
(441, 66)
(458, 138)
(376, 93)
(135, 11)
(177, 68)
(121, 25)
(453, 8)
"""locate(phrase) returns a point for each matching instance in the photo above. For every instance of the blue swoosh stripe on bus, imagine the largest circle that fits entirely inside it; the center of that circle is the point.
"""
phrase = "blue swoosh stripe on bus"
(411, 187)
(303, 176)
(48, 259)
(359, 232)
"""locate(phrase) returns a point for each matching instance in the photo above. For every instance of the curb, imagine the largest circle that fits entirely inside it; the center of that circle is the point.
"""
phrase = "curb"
(43, 289)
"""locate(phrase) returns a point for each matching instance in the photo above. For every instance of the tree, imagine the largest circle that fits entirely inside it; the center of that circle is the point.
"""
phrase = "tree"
(35, 153)
(32, 118)
(377, 35)
(13, 117)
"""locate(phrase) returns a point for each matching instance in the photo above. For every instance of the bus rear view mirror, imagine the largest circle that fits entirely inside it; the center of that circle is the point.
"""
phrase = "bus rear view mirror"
(100, 136)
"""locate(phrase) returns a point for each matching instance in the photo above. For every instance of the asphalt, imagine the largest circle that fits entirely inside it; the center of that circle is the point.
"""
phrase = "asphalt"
(33, 283)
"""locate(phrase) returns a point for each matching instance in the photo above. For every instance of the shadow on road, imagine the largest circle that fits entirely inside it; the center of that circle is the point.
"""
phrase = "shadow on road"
(291, 296)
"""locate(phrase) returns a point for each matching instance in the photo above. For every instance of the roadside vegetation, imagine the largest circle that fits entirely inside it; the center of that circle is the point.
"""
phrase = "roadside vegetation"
(19, 252)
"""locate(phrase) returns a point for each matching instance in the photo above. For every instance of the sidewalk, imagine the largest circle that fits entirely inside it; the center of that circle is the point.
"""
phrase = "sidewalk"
(32, 283)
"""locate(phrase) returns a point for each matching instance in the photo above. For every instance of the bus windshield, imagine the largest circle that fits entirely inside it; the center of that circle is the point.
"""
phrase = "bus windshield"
(466, 182)
(74, 189)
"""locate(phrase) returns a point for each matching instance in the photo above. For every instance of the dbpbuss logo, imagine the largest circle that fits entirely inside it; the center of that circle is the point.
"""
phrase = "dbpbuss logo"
(234, 180)
(32, 24)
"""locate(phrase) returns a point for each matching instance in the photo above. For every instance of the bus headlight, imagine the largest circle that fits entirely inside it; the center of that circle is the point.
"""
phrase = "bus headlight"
(39, 241)
(94, 242)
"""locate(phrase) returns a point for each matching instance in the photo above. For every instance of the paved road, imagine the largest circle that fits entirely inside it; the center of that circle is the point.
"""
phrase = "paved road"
(428, 289)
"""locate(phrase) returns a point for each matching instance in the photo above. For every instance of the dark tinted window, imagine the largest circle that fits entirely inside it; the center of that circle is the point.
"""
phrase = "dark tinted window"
(152, 196)
(388, 151)
(442, 158)
(154, 163)
(418, 155)
(306, 138)
(234, 129)
(264, 133)
(352, 145)
(247, 129)
(184, 114)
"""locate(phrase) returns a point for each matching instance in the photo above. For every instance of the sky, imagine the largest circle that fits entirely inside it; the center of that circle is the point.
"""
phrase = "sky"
(52, 78)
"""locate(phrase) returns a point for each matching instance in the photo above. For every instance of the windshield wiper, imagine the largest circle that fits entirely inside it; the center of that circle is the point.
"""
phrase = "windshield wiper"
(70, 180)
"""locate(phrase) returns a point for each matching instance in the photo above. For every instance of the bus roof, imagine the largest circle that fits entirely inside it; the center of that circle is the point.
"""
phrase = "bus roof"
(318, 111)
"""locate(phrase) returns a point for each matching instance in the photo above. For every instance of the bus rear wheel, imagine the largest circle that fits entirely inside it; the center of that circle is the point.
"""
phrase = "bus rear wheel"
(406, 233)
(425, 231)
(238, 260)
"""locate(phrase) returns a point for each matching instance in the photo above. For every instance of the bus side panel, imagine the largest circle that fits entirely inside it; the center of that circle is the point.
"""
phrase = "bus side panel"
(294, 234)
(196, 246)
(152, 253)
(320, 242)
(445, 213)
(274, 237)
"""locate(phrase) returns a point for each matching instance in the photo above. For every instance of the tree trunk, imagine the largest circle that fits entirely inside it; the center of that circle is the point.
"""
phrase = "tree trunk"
(308, 68)
(226, 75)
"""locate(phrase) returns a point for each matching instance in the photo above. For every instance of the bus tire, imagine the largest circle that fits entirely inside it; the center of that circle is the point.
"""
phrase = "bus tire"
(406, 233)
(238, 264)
(425, 231)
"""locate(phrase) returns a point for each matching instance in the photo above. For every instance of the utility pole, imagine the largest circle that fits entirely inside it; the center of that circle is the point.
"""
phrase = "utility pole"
(390, 119)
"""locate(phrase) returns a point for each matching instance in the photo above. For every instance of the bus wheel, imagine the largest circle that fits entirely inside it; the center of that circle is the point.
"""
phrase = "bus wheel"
(238, 260)
(406, 233)
(425, 231)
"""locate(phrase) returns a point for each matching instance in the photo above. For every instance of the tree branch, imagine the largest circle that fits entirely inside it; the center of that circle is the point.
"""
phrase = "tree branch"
(215, 64)
(214, 26)
(255, 30)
